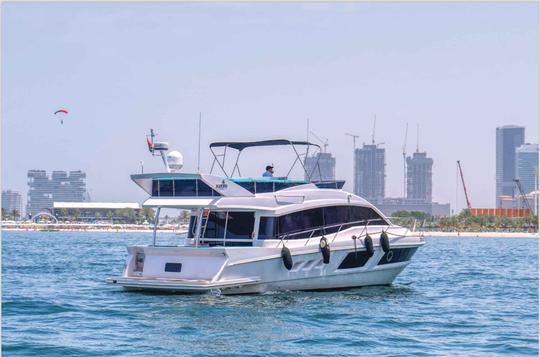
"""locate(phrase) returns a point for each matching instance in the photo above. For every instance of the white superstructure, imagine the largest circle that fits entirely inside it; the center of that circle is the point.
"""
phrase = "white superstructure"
(254, 235)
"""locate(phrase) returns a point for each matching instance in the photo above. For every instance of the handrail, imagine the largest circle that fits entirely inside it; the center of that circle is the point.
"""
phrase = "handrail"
(313, 230)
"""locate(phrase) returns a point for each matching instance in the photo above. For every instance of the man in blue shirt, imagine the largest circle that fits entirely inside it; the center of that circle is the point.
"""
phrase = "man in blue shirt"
(269, 171)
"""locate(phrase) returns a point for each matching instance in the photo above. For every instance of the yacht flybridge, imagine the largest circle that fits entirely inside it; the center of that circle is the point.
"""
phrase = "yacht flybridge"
(255, 235)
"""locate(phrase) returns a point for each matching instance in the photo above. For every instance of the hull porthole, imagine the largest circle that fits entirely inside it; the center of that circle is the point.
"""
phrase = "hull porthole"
(389, 256)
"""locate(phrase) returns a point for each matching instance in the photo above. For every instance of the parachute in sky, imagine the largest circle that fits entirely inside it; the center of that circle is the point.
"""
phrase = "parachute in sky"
(61, 112)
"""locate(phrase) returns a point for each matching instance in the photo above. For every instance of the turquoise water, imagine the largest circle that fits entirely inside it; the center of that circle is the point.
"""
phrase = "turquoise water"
(465, 296)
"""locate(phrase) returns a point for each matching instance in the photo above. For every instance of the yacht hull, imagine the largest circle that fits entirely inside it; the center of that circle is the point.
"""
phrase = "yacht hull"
(225, 273)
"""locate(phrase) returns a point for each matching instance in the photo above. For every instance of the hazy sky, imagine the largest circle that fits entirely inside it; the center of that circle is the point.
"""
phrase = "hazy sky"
(257, 71)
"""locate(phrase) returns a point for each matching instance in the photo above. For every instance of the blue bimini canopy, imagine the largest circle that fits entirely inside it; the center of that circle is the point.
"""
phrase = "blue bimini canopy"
(241, 145)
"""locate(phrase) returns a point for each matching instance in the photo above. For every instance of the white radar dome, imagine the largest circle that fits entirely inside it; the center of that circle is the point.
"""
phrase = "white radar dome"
(175, 160)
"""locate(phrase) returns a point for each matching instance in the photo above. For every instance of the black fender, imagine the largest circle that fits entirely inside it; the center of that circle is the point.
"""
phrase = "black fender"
(325, 250)
(385, 243)
(368, 242)
(287, 258)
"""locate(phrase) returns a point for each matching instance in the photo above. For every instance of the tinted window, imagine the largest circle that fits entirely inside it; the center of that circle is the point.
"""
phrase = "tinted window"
(267, 228)
(184, 188)
(365, 214)
(215, 228)
(192, 226)
(354, 260)
(165, 187)
(335, 216)
(205, 190)
(265, 187)
(293, 223)
(155, 188)
(239, 225)
(248, 185)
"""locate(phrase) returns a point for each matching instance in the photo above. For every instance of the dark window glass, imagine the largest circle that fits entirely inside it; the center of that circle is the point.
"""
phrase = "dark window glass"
(173, 267)
(267, 228)
(240, 225)
(205, 190)
(335, 216)
(364, 214)
(279, 186)
(354, 260)
(215, 228)
(249, 185)
(265, 187)
(397, 255)
(155, 188)
(292, 224)
(165, 188)
(192, 226)
(185, 188)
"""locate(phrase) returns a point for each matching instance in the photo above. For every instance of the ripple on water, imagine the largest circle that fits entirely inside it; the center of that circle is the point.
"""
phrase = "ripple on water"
(458, 297)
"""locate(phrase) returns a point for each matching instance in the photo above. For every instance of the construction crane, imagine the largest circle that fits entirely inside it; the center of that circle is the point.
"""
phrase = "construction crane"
(373, 132)
(522, 195)
(354, 137)
(404, 153)
(324, 142)
(464, 187)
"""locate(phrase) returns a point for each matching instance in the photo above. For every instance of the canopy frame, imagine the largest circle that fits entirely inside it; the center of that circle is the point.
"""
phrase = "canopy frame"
(219, 158)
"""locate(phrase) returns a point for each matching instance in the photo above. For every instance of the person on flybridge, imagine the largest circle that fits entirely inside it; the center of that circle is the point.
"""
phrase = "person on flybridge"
(269, 171)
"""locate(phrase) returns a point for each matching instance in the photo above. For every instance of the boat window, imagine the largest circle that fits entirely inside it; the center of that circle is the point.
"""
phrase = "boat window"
(182, 188)
(166, 187)
(155, 188)
(232, 225)
(267, 228)
(264, 187)
(192, 226)
(240, 225)
(335, 216)
(299, 225)
(358, 213)
(204, 190)
(248, 185)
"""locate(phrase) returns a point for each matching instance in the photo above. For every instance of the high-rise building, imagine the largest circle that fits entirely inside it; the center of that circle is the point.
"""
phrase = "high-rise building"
(419, 177)
(508, 138)
(43, 189)
(527, 166)
(12, 201)
(370, 173)
(324, 171)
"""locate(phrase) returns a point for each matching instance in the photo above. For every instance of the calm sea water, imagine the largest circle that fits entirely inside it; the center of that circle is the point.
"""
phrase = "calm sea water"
(465, 296)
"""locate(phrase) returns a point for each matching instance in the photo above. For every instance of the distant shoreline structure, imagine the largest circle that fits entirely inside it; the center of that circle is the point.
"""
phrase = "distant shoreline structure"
(182, 229)
(88, 227)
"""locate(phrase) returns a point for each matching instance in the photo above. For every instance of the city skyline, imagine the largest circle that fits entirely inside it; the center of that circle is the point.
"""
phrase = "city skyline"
(337, 65)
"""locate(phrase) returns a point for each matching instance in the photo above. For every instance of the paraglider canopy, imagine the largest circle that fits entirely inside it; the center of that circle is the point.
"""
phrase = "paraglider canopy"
(63, 112)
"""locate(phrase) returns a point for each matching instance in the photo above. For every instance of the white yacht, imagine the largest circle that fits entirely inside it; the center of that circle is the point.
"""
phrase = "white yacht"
(266, 234)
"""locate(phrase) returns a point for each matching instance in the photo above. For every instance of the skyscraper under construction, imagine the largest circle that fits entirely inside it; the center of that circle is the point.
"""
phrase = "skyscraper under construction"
(369, 176)
(419, 178)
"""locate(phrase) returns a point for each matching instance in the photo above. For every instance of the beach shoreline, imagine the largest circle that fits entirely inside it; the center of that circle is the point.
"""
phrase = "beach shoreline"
(482, 234)
(132, 228)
